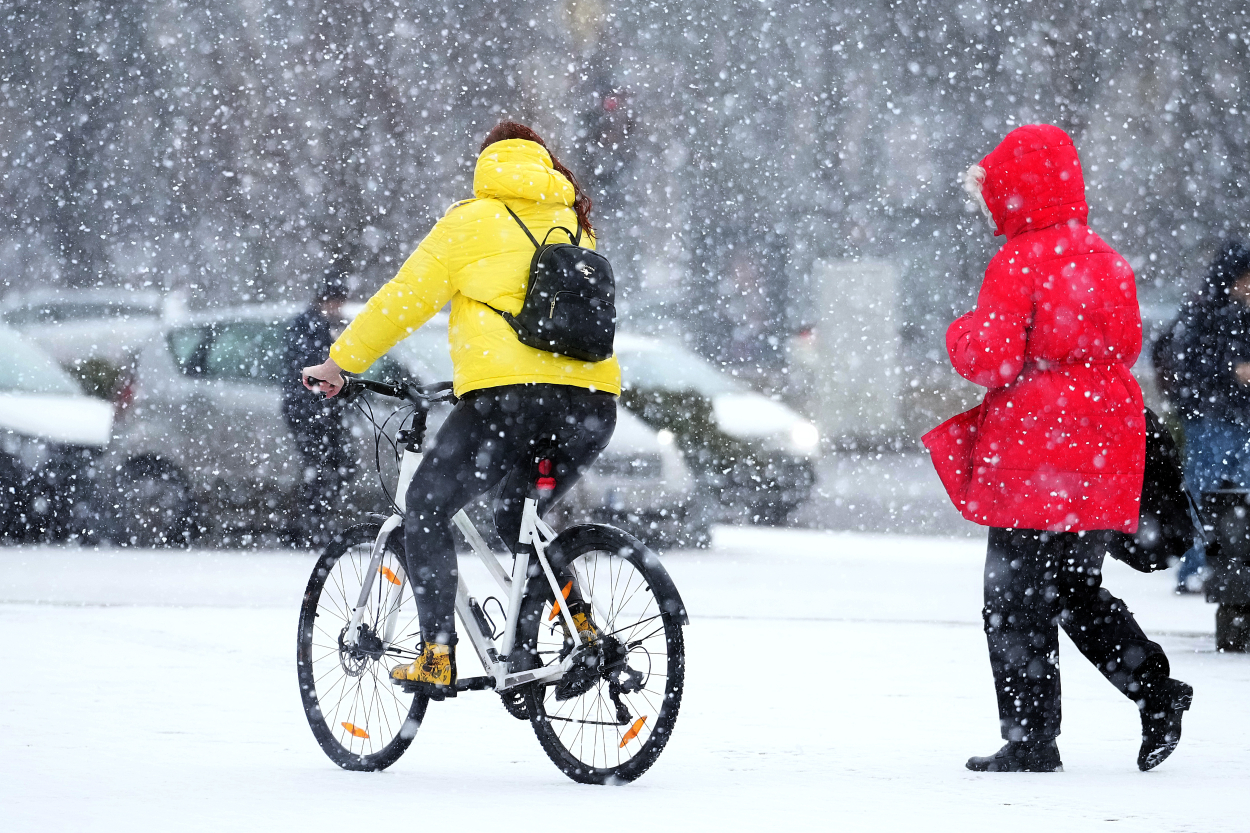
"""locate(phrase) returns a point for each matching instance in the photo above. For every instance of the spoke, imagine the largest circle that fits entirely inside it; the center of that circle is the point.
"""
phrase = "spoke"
(642, 584)
(652, 634)
(380, 710)
(360, 580)
(326, 594)
(328, 635)
(616, 582)
(599, 730)
(643, 694)
(636, 624)
(404, 708)
(627, 631)
(336, 573)
(328, 672)
(349, 717)
(329, 652)
(331, 719)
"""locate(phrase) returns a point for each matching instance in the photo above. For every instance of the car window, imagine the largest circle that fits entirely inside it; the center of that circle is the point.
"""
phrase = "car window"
(674, 368)
(427, 355)
(185, 344)
(245, 350)
(28, 369)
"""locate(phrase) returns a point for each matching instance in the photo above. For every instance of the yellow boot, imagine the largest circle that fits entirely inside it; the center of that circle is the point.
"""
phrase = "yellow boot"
(433, 673)
(584, 625)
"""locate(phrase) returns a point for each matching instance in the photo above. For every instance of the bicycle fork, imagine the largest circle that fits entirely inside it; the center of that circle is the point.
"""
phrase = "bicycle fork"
(397, 577)
(407, 468)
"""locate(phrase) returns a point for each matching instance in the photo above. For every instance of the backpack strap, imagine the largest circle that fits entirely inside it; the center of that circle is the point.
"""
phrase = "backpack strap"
(576, 238)
(524, 228)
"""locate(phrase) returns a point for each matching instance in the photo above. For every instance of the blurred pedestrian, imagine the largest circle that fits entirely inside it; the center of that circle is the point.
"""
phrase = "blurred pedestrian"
(1054, 456)
(315, 421)
(1206, 359)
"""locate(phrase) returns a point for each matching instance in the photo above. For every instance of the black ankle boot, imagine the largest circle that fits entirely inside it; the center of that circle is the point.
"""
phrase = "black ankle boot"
(1162, 706)
(1021, 756)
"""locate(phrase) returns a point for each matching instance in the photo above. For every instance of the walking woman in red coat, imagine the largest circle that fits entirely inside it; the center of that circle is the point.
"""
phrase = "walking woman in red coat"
(1054, 456)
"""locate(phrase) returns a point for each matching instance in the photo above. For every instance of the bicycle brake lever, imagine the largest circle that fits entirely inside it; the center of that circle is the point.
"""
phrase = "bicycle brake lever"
(350, 390)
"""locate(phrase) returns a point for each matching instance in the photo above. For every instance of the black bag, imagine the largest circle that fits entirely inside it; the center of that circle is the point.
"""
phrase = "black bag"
(1169, 524)
(570, 303)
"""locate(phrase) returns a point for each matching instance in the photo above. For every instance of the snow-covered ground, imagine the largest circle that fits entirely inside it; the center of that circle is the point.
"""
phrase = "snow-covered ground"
(837, 681)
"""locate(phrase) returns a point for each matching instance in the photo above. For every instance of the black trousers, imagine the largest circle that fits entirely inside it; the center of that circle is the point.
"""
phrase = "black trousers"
(325, 448)
(1035, 583)
(489, 441)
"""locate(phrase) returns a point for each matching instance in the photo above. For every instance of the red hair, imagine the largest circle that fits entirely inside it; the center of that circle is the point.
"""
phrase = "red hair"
(512, 130)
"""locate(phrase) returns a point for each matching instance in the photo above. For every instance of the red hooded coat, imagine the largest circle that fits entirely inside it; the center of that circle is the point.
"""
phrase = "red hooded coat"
(1059, 442)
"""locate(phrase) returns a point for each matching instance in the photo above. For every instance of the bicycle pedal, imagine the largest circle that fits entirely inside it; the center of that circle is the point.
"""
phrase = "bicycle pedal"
(434, 692)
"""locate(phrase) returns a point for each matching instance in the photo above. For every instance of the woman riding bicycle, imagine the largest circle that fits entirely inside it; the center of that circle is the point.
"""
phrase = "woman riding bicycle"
(514, 400)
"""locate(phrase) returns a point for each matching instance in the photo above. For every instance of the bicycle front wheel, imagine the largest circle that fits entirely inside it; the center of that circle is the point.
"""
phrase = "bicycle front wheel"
(610, 717)
(361, 720)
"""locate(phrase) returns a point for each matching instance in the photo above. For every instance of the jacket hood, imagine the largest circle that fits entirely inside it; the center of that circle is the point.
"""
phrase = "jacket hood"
(1033, 180)
(520, 169)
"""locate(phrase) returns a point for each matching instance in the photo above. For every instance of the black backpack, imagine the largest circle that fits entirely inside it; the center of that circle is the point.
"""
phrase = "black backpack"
(570, 303)
(1169, 524)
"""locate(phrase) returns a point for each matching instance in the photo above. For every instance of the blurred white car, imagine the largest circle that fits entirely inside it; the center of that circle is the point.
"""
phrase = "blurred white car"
(640, 482)
(50, 437)
(74, 325)
(753, 453)
(202, 445)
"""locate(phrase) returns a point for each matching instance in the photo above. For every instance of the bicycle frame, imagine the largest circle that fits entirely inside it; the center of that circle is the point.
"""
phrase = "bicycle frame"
(493, 653)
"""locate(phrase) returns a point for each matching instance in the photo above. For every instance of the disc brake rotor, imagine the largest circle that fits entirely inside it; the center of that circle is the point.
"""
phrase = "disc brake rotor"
(356, 658)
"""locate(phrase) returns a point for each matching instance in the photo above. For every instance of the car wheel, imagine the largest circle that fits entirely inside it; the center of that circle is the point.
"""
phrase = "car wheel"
(1232, 627)
(772, 514)
(12, 500)
(151, 505)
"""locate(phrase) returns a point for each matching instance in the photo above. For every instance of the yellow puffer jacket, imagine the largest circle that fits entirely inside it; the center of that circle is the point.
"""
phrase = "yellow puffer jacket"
(477, 255)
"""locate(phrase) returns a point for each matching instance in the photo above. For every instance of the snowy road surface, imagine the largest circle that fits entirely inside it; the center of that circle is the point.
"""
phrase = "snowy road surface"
(836, 682)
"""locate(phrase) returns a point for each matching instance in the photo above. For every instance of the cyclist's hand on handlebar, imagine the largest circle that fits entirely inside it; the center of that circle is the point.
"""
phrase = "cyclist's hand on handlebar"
(326, 378)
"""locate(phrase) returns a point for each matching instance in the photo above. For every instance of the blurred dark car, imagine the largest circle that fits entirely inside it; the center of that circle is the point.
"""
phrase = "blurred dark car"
(51, 435)
(755, 455)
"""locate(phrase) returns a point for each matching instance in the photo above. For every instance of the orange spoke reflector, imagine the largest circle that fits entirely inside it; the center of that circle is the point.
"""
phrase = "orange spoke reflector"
(555, 609)
(357, 732)
(633, 731)
(390, 576)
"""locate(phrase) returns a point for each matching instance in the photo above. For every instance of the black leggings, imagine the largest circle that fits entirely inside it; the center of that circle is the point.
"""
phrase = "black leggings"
(489, 440)
(1038, 582)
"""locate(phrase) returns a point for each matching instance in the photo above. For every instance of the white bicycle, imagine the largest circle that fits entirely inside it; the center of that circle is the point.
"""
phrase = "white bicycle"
(603, 706)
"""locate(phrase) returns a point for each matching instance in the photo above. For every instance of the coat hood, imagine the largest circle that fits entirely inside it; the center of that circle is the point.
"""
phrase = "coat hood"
(520, 169)
(1033, 180)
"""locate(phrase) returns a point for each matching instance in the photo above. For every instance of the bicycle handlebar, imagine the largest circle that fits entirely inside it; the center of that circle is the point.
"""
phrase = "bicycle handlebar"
(420, 394)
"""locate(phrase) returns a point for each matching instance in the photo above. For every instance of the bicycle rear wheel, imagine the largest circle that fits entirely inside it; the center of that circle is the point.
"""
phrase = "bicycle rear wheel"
(361, 721)
(611, 716)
